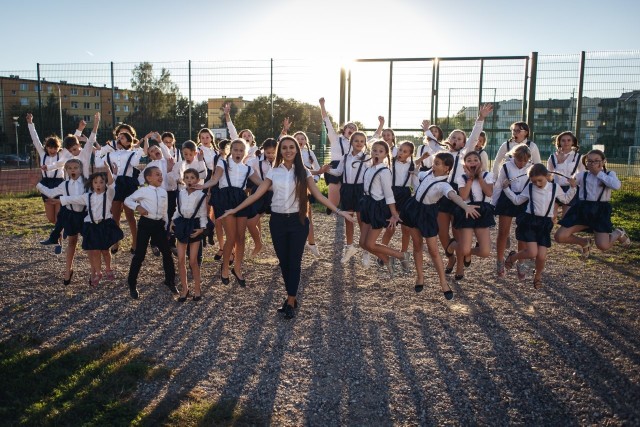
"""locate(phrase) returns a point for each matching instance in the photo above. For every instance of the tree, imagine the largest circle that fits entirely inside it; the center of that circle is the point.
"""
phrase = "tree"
(157, 94)
(257, 117)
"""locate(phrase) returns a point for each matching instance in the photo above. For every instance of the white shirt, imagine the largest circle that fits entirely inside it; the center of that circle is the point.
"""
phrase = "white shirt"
(457, 169)
(596, 184)
(45, 158)
(436, 191)
(430, 144)
(340, 145)
(75, 186)
(153, 199)
(351, 175)
(569, 167)
(476, 194)
(402, 172)
(177, 173)
(380, 186)
(209, 154)
(508, 146)
(283, 185)
(517, 185)
(188, 203)
(120, 159)
(260, 166)
(97, 208)
(541, 198)
(237, 174)
(172, 152)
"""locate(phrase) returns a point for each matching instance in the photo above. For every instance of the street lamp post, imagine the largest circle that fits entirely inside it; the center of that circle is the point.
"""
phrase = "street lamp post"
(16, 124)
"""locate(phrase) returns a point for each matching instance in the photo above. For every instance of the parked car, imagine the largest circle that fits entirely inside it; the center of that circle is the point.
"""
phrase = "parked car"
(12, 159)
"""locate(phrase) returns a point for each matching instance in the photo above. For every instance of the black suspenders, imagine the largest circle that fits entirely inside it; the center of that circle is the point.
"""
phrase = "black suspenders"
(104, 207)
(532, 207)
(428, 187)
(393, 174)
(372, 178)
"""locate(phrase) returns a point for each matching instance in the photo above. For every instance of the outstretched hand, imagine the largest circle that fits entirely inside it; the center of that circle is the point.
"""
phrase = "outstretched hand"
(485, 110)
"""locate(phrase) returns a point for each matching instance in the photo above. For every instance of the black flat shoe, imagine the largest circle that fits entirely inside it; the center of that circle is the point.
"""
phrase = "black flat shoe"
(289, 312)
(448, 295)
(459, 276)
(284, 304)
(197, 297)
(68, 281)
(184, 298)
(114, 250)
(467, 263)
(134, 292)
(241, 282)
(218, 256)
(225, 280)
(449, 270)
(446, 250)
(419, 287)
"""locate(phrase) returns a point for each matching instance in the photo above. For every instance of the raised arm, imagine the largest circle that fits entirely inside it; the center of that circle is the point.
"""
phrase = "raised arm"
(34, 136)
(378, 131)
(485, 110)
(233, 133)
(610, 180)
(331, 132)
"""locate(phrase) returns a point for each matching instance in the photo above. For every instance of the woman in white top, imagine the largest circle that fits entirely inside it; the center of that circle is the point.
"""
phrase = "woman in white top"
(567, 162)
(49, 154)
(231, 194)
(519, 135)
(291, 183)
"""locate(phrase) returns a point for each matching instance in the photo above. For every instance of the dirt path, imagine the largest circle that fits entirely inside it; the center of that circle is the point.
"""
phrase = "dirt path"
(363, 349)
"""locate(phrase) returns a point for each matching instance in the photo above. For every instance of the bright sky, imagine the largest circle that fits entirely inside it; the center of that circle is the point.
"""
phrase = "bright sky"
(335, 31)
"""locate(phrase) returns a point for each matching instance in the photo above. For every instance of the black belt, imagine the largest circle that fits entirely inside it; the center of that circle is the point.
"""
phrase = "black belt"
(284, 215)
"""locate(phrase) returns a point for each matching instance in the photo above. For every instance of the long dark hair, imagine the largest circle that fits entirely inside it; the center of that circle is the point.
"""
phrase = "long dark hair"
(300, 172)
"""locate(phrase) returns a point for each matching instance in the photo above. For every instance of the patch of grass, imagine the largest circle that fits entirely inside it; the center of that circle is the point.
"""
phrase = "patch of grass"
(627, 215)
(22, 216)
(196, 410)
(70, 386)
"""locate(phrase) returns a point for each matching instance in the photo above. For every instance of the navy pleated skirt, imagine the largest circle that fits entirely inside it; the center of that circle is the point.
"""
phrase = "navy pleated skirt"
(100, 236)
(228, 198)
(485, 220)
(506, 207)
(374, 212)
(71, 221)
(596, 215)
(350, 196)
(420, 216)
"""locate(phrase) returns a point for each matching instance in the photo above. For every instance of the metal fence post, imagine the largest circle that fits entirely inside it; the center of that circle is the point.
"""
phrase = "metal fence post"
(349, 97)
(190, 125)
(436, 92)
(390, 91)
(580, 93)
(524, 95)
(343, 84)
(40, 93)
(480, 83)
(113, 98)
(271, 97)
(433, 88)
(532, 90)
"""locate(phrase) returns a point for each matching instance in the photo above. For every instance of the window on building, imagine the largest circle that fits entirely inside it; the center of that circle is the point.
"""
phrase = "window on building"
(87, 105)
(13, 92)
(556, 110)
(117, 95)
(590, 123)
(87, 118)
(49, 89)
(36, 88)
(24, 101)
(96, 93)
(97, 105)
(540, 111)
(74, 104)
(126, 108)
(85, 92)
(74, 91)
(117, 108)
(24, 86)
(126, 96)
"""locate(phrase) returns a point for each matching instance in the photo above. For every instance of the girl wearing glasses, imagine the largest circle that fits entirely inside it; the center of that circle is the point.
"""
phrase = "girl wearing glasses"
(519, 135)
(592, 213)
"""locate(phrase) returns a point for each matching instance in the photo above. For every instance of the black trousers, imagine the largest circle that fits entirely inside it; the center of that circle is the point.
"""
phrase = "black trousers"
(289, 236)
(172, 198)
(154, 230)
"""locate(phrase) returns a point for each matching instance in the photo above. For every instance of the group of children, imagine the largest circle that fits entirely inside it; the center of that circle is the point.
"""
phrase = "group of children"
(441, 190)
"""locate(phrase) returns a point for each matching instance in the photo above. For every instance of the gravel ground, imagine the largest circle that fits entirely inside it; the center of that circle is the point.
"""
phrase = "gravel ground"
(363, 349)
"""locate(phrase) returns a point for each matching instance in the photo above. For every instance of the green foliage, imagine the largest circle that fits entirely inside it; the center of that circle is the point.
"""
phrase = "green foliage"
(257, 117)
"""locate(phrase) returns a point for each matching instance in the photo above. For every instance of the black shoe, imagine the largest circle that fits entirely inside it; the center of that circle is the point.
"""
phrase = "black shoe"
(448, 295)
(467, 263)
(449, 270)
(284, 304)
(114, 249)
(459, 276)
(155, 250)
(48, 242)
(329, 211)
(172, 288)
(134, 292)
(419, 288)
(232, 260)
(241, 282)
(225, 280)
(197, 297)
(58, 249)
(289, 312)
(184, 298)
(132, 251)
(218, 256)
(67, 282)
(446, 250)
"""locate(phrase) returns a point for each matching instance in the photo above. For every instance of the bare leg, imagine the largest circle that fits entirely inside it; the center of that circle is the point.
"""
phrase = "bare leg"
(72, 242)
(241, 228)
(195, 267)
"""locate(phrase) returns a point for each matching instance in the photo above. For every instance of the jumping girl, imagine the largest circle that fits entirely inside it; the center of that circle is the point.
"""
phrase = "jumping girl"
(592, 213)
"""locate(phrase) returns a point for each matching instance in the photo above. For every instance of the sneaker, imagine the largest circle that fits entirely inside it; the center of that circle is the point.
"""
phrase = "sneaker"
(406, 262)
(58, 249)
(520, 270)
(500, 268)
(349, 251)
(391, 267)
(624, 239)
(366, 259)
(313, 249)
(155, 250)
